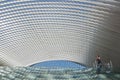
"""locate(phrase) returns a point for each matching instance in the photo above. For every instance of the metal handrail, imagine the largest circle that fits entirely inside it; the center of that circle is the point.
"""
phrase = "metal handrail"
(106, 67)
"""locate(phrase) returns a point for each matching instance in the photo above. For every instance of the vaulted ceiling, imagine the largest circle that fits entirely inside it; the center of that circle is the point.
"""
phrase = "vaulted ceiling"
(75, 30)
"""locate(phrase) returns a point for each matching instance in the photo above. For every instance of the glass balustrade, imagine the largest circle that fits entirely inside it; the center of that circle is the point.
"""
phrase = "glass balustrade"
(40, 73)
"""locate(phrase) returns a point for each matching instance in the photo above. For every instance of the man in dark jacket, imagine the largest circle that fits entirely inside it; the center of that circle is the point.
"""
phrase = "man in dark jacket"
(99, 64)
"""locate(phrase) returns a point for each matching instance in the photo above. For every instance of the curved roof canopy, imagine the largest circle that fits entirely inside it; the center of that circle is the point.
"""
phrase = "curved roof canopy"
(75, 30)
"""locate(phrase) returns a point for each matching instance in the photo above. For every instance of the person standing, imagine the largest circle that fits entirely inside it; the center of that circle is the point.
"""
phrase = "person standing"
(99, 64)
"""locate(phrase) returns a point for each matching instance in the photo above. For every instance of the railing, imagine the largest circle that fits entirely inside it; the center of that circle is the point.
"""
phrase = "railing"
(107, 67)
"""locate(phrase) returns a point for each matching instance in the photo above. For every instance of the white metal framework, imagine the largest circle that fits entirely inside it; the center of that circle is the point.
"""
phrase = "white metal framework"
(75, 30)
